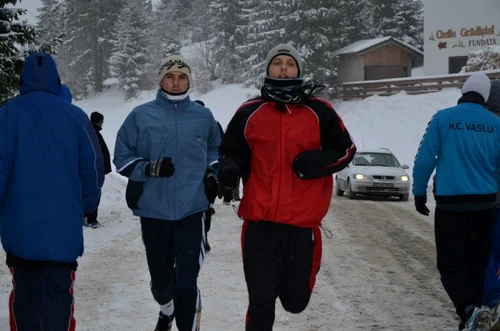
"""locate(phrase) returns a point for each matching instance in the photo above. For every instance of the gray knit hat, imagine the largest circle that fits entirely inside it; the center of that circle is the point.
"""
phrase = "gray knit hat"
(284, 49)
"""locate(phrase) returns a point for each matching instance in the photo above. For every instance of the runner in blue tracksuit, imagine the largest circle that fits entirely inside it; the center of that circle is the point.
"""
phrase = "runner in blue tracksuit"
(463, 144)
(168, 150)
(51, 172)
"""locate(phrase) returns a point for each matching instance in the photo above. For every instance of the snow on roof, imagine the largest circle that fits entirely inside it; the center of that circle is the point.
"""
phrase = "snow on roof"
(363, 45)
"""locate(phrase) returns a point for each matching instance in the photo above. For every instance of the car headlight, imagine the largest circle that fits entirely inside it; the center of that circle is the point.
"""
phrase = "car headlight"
(359, 177)
(404, 178)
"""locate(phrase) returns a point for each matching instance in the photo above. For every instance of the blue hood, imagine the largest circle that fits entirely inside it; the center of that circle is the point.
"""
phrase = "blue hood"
(40, 74)
(66, 93)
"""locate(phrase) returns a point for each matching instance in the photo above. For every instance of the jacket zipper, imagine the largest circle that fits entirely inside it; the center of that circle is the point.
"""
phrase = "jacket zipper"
(176, 216)
(280, 165)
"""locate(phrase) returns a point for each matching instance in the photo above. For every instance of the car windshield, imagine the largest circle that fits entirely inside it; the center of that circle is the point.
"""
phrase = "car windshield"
(375, 159)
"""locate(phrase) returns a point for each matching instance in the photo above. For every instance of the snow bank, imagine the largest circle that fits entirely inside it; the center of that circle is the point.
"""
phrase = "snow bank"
(396, 122)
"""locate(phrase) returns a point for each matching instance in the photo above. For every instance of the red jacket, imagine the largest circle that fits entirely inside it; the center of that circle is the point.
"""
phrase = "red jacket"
(273, 147)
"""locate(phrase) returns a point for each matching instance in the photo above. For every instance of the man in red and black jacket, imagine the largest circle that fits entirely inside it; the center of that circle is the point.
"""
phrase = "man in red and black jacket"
(285, 145)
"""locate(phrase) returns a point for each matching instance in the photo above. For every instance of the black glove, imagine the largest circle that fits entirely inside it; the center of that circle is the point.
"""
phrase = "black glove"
(229, 173)
(160, 168)
(420, 201)
(299, 166)
(308, 164)
(211, 183)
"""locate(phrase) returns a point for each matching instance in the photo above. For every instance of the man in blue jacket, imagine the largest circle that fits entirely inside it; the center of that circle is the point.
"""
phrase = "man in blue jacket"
(168, 150)
(51, 173)
(462, 143)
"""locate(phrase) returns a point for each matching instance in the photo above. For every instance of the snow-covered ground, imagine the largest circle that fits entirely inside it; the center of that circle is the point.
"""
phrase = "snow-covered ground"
(378, 270)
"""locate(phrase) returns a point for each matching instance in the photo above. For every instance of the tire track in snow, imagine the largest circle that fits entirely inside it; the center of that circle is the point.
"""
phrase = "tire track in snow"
(381, 265)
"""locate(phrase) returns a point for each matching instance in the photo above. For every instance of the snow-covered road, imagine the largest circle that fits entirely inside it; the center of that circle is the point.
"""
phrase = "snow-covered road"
(378, 273)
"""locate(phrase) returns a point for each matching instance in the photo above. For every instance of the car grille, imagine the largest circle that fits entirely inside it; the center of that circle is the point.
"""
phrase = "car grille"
(384, 177)
(382, 189)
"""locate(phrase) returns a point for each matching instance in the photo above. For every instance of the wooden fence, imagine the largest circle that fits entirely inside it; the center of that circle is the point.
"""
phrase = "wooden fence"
(414, 85)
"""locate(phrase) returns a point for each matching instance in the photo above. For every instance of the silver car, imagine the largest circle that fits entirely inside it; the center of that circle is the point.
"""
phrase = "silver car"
(374, 172)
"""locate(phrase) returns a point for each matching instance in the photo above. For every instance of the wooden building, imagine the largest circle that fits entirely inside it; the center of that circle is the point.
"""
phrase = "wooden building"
(378, 58)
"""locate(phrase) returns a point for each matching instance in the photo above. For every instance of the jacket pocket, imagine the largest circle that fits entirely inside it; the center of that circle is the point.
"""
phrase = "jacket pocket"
(133, 193)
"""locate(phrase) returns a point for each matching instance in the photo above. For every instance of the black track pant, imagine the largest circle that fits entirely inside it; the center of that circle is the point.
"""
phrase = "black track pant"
(463, 244)
(175, 253)
(280, 261)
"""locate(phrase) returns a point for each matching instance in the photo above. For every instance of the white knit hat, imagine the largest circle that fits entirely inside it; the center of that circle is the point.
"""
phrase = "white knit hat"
(478, 82)
(174, 63)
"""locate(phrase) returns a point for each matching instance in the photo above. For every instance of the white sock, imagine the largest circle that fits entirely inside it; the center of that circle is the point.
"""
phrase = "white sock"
(168, 308)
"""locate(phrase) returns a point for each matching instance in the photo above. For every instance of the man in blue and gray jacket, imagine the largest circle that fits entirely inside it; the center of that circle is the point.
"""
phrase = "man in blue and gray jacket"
(51, 172)
(463, 144)
(168, 150)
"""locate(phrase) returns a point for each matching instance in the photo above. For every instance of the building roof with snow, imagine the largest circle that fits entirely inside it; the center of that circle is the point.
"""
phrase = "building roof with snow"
(367, 45)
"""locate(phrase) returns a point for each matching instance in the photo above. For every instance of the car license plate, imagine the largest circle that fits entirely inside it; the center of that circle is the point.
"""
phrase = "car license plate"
(383, 184)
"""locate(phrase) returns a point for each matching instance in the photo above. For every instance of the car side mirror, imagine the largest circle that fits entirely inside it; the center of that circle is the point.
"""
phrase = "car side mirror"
(405, 166)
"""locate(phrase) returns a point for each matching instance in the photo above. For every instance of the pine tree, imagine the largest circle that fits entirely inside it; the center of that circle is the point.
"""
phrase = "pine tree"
(80, 47)
(409, 25)
(357, 16)
(316, 30)
(188, 14)
(263, 29)
(130, 61)
(383, 17)
(201, 20)
(50, 20)
(109, 11)
(17, 39)
(168, 32)
(51, 28)
(89, 27)
(226, 23)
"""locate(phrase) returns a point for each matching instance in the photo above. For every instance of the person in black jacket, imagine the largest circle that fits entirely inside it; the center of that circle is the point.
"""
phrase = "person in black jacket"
(211, 198)
(97, 120)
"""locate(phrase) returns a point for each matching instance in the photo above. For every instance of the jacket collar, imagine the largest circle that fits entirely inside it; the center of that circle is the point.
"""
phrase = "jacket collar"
(472, 97)
(163, 101)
